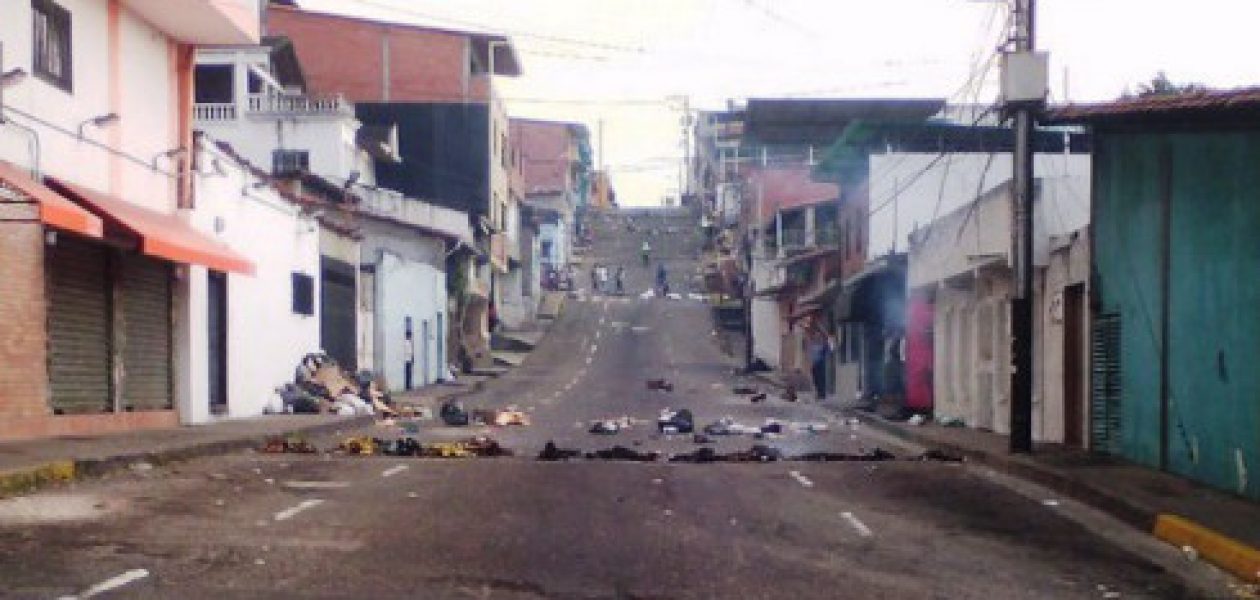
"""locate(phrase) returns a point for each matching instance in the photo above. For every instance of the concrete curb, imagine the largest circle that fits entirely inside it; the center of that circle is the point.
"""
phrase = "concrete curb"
(1233, 556)
(29, 479)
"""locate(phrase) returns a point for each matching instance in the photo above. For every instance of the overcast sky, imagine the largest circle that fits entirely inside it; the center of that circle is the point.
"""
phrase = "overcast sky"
(621, 61)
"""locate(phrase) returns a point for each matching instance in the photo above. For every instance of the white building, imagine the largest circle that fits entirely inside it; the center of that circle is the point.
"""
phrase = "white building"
(254, 99)
(95, 143)
(962, 264)
(249, 332)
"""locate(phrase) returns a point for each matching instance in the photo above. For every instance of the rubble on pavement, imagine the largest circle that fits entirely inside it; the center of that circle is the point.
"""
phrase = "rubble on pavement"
(321, 386)
(663, 385)
(287, 445)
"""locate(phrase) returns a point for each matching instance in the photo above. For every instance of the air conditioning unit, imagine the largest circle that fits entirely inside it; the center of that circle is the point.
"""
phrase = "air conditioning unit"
(290, 162)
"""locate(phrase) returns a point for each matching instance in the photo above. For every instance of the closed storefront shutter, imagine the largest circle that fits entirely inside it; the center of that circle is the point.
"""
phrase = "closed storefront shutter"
(79, 327)
(146, 339)
(337, 318)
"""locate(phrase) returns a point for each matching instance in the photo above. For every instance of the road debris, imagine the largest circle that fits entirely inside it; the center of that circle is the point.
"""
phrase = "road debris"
(878, 454)
(675, 421)
(939, 455)
(743, 390)
(453, 414)
(663, 385)
(622, 453)
(605, 427)
(551, 452)
(287, 445)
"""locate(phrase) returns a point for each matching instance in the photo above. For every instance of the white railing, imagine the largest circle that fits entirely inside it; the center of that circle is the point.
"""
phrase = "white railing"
(298, 104)
(214, 111)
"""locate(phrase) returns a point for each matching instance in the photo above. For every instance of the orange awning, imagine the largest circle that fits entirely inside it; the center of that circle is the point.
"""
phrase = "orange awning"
(162, 235)
(54, 209)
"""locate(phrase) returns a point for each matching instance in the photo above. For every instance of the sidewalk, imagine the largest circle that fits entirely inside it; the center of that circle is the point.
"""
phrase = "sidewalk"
(28, 464)
(1223, 529)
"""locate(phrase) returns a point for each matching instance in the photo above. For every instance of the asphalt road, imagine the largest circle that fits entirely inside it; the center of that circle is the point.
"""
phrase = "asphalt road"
(333, 526)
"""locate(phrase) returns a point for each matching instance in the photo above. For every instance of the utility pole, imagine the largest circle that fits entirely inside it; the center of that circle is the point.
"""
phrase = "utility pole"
(1024, 106)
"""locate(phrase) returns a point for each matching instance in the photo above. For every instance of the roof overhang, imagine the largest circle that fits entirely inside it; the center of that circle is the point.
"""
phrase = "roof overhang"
(822, 121)
(54, 209)
(161, 235)
(204, 22)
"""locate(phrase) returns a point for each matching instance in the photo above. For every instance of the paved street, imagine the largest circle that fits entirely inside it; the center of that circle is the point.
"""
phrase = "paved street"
(277, 526)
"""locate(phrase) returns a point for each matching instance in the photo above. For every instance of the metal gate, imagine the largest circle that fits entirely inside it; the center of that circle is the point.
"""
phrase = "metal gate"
(146, 340)
(79, 344)
(337, 312)
(1105, 386)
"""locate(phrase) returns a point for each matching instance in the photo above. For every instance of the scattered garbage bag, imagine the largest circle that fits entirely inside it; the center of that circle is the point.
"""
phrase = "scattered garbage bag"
(510, 416)
(551, 452)
(701, 455)
(363, 446)
(622, 453)
(772, 426)
(758, 398)
(605, 427)
(876, 455)
(939, 455)
(672, 421)
(406, 446)
(660, 384)
(287, 445)
(453, 414)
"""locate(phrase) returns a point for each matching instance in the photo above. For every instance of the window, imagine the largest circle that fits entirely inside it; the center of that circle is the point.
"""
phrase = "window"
(51, 35)
(303, 294)
(214, 84)
(290, 162)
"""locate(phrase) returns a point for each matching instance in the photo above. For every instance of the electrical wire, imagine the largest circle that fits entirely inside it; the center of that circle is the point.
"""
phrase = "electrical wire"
(100, 146)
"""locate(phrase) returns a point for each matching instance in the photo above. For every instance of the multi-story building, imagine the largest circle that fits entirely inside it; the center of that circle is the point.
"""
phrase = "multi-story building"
(96, 137)
(556, 165)
(435, 87)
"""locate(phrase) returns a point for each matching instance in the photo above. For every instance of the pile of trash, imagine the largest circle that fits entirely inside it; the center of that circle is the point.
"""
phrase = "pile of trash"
(771, 427)
(663, 385)
(675, 421)
(321, 386)
(474, 447)
(759, 453)
(611, 426)
(287, 445)
(454, 414)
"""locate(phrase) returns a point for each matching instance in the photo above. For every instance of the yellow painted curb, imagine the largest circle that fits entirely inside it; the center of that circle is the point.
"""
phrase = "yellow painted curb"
(24, 480)
(1225, 552)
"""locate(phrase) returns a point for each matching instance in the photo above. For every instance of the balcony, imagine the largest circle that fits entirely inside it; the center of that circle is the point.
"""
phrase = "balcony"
(203, 22)
(214, 111)
(297, 104)
(273, 105)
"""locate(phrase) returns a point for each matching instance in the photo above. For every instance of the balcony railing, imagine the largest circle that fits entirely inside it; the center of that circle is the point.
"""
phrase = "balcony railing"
(298, 104)
(214, 111)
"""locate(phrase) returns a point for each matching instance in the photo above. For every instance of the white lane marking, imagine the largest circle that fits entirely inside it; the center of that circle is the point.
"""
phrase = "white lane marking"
(315, 485)
(288, 513)
(112, 583)
(394, 470)
(801, 479)
(857, 524)
(590, 359)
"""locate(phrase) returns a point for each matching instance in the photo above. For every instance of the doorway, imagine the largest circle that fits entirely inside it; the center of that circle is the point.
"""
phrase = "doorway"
(217, 325)
(1073, 366)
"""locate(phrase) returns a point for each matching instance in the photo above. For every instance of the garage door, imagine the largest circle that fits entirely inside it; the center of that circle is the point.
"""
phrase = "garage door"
(79, 326)
(337, 319)
(146, 310)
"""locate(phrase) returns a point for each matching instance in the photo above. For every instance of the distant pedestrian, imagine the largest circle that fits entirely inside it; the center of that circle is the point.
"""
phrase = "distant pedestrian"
(819, 356)
(621, 280)
(646, 252)
(594, 278)
(662, 279)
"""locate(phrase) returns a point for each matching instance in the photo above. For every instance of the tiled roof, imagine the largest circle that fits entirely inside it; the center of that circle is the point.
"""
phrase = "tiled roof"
(1203, 102)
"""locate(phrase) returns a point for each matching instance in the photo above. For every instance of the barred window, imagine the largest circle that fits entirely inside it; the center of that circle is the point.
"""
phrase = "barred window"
(51, 35)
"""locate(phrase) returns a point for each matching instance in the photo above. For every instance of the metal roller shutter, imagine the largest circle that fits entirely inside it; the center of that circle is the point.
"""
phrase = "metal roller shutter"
(146, 340)
(79, 327)
(337, 318)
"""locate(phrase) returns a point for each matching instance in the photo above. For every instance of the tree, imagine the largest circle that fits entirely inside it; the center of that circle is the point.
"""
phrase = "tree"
(1161, 85)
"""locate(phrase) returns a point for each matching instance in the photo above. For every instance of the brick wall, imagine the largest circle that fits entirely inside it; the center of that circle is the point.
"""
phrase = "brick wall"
(343, 55)
(23, 318)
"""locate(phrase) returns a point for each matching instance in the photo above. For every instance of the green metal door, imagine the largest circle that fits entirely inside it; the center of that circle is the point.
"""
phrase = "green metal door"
(1214, 310)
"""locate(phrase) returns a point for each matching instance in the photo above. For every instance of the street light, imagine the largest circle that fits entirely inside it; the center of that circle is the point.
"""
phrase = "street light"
(12, 77)
(101, 121)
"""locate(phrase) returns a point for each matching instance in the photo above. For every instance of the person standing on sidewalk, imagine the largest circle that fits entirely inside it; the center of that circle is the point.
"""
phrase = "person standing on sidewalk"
(819, 356)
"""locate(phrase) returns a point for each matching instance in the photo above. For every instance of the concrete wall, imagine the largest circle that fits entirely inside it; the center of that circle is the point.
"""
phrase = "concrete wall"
(408, 289)
(925, 190)
(266, 339)
(120, 65)
(1068, 265)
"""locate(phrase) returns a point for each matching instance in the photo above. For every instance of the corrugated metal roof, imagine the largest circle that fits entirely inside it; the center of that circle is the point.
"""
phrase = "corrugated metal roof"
(1204, 102)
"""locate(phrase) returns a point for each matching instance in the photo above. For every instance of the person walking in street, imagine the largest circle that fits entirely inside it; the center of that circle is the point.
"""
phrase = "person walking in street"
(621, 280)
(594, 278)
(646, 253)
(662, 280)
